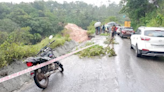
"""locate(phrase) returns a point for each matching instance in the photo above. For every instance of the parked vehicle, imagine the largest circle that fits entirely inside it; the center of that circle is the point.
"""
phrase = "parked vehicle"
(126, 31)
(148, 41)
(41, 75)
(118, 31)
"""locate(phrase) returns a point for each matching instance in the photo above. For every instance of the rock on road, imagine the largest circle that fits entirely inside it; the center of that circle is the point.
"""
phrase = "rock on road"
(122, 73)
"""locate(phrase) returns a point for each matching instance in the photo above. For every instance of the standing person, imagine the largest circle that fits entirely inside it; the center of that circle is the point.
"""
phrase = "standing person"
(115, 30)
(111, 40)
(103, 29)
(112, 36)
(97, 27)
(97, 30)
(107, 30)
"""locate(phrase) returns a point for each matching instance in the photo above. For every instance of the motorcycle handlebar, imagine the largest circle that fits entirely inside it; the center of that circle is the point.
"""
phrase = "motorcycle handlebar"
(52, 41)
(45, 47)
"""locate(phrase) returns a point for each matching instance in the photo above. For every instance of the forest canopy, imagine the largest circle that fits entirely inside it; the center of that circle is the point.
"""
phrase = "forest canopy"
(39, 19)
(24, 27)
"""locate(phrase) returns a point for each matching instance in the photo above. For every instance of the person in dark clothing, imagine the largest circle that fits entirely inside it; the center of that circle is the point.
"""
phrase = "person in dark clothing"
(97, 30)
(103, 29)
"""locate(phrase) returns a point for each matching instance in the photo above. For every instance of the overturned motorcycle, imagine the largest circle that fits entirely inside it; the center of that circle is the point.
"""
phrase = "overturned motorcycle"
(41, 75)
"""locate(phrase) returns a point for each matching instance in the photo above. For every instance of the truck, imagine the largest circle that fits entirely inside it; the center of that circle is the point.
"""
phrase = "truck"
(127, 24)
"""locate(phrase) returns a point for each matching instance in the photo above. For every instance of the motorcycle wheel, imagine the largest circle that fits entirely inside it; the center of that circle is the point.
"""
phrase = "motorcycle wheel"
(60, 66)
(40, 80)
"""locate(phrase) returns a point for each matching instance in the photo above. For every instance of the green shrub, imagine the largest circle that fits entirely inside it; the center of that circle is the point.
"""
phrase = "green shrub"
(11, 51)
(92, 51)
(3, 62)
(95, 50)
(112, 53)
(89, 43)
(58, 42)
(15, 51)
(91, 28)
(58, 36)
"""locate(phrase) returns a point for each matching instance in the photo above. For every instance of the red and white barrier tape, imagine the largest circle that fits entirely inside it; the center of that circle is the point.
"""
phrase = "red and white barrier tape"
(40, 65)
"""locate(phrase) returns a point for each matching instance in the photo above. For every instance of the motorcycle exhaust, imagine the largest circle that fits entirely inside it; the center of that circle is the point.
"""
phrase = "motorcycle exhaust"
(49, 73)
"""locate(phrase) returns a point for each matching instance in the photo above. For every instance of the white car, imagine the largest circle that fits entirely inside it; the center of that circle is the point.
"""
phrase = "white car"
(148, 41)
(118, 31)
(119, 28)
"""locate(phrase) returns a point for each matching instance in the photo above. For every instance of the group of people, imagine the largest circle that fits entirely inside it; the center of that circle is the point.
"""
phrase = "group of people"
(112, 32)
(102, 29)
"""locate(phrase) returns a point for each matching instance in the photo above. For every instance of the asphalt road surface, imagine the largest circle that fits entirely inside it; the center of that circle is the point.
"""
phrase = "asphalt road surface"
(122, 73)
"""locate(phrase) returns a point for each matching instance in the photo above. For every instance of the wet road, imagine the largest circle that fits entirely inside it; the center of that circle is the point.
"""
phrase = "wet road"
(122, 73)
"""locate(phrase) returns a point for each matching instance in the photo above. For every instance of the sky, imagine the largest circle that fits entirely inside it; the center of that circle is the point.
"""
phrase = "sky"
(94, 2)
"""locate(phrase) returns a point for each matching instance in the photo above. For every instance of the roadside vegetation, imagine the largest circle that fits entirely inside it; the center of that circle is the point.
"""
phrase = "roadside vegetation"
(104, 34)
(24, 27)
(91, 28)
(95, 50)
(108, 40)
(151, 14)
(13, 51)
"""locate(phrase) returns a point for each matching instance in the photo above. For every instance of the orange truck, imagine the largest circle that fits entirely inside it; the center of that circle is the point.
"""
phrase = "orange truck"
(127, 24)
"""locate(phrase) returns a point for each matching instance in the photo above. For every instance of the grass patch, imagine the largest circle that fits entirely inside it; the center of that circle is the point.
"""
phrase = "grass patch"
(11, 51)
(105, 34)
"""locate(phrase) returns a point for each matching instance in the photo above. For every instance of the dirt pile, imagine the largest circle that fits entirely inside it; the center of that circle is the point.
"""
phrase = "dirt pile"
(76, 33)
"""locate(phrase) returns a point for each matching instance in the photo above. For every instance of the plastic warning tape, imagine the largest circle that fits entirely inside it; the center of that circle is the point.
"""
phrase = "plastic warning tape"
(40, 65)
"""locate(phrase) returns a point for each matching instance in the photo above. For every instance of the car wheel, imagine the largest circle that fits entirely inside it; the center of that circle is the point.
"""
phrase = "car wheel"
(138, 53)
(131, 45)
(121, 36)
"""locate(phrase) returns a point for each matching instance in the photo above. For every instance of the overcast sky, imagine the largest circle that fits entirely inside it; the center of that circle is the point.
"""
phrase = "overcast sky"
(95, 2)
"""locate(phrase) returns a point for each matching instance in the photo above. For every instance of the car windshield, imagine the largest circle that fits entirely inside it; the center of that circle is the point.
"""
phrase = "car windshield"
(154, 33)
